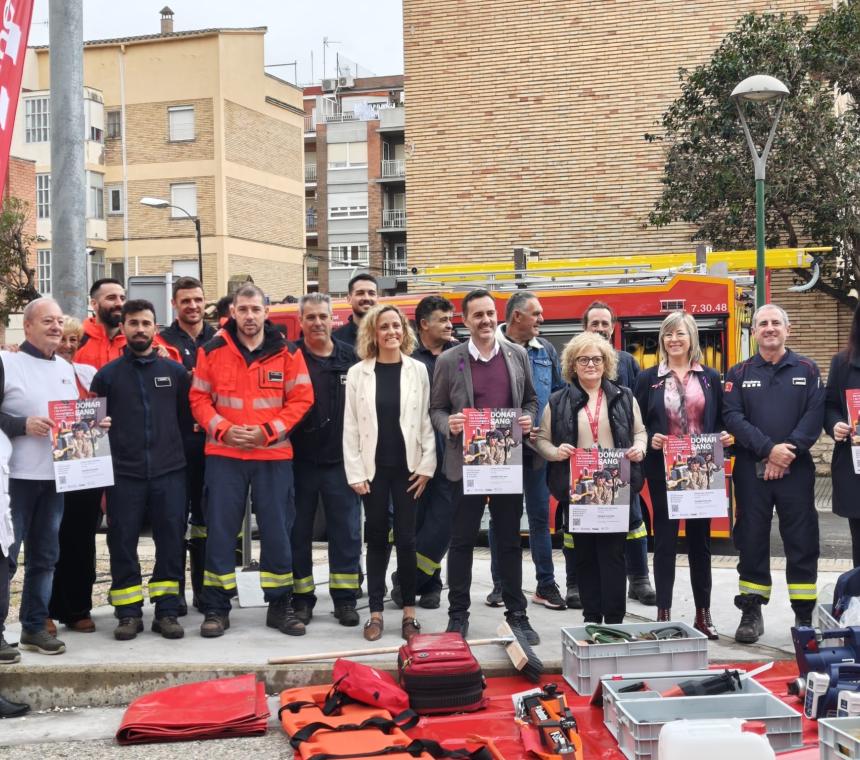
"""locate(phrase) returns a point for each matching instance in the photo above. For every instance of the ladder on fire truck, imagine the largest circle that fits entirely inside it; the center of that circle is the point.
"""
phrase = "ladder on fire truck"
(612, 271)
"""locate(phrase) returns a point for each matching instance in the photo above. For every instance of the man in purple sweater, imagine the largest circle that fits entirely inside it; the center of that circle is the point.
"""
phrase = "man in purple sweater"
(482, 373)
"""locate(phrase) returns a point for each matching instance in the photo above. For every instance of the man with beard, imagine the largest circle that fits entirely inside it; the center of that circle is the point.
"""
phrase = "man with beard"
(362, 290)
(147, 396)
(188, 333)
(103, 341)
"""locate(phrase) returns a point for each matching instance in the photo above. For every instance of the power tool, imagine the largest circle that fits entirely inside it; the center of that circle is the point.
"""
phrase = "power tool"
(812, 657)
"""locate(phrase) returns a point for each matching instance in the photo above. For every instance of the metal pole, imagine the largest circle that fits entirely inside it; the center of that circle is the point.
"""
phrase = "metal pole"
(68, 172)
(760, 272)
(199, 249)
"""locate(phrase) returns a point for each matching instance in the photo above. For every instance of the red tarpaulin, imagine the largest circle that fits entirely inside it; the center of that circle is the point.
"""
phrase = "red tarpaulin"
(14, 34)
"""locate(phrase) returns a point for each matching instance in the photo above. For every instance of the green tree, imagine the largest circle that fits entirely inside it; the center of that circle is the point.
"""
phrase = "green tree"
(813, 171)
(17, 277)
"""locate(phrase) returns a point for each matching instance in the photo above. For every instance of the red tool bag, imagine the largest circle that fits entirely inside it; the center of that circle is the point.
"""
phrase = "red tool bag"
(362, 683)
(440, 674)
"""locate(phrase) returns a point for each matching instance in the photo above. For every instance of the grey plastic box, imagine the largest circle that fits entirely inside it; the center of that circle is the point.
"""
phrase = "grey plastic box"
(658, 683)
(839, 738)
(584, 664)
(640, 721)
(824, 619)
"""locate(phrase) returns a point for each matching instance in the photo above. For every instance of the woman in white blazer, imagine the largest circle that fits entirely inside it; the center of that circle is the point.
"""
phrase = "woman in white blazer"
(389, 452)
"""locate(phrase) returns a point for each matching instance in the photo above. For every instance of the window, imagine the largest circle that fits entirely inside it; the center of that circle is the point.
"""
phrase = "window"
(43, 196)
(347, 155)
(117, 270)
(97, 264)
(350, 255)
(395, 260)
(43, 271)
(348, 212)
(115, 204)
(96, 135)
(181, 123)
(113, 125)
(95, 195)
(37, 118)
(184, 196)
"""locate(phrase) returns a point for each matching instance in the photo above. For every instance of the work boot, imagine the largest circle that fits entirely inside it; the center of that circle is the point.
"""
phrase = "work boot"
(128, 628)
(303, 610)
(803, 618)
(346, 615)
(704, 624)
(752, 622)
(494, 598)
(41, 642)
(430, 600)
(8, 653)
(572, 598)
(519, 623)
(458, 622)
(12, 709)
(214, 625)
(641, 590)
(169, 627)
(280, 615)
(396, 595)
(549, 597)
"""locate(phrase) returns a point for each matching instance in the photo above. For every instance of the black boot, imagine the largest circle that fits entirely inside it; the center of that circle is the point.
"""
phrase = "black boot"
(12, 709)
(751, 626)
(280, 615)
(642, 590)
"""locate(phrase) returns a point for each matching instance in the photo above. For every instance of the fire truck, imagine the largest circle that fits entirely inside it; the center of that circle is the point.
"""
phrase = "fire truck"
(642, 290)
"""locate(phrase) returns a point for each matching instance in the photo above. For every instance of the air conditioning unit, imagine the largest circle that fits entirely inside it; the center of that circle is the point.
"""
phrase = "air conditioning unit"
(329, 85)
(346, 81)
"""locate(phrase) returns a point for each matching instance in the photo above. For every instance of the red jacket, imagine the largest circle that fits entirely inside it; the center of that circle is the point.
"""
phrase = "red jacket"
(97, 349)
(274, 392)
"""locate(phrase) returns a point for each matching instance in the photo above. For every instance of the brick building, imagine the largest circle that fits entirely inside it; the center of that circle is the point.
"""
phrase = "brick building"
(21, 184)
(190, 117)
(355, 181)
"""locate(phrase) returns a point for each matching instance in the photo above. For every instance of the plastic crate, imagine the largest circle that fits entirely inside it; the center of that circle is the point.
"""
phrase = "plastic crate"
(824, 619)
(657, 683)
(839, 738)
(584, 664)
(640, 721)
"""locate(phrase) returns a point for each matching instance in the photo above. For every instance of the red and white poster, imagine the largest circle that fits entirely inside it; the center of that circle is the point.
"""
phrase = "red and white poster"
(852, 401)
(599, 491)
(492, 451)
(695, 476)
(14, 34)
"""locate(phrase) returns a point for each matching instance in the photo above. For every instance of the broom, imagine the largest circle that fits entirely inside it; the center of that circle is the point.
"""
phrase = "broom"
(518, 650)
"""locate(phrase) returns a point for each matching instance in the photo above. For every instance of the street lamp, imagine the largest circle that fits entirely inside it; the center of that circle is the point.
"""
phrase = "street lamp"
(160, 203)
(760, 88)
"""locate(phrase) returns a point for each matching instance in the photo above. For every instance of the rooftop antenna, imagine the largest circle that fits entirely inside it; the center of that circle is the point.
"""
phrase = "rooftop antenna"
(326, 43)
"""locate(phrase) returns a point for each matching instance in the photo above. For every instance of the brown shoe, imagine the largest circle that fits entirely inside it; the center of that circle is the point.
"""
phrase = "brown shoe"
(84, 625)
(51, 627)
(409, 628)
(373, 629)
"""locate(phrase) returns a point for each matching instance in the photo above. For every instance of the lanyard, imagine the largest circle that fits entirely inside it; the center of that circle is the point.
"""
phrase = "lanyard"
(593, 421)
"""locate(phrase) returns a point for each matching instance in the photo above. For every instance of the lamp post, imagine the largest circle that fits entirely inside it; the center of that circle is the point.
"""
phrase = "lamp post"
(160, 203)
(760, 88)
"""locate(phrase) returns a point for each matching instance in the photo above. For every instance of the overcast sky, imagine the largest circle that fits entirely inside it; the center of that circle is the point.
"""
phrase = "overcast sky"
(368, 32)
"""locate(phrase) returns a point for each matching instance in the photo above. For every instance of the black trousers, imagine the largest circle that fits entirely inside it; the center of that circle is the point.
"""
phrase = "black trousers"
(600, 570)
(854, 527)
(195, 470)
(75, 572)
(666, 547)
(794, 499)
(505, 512)
(389, 486)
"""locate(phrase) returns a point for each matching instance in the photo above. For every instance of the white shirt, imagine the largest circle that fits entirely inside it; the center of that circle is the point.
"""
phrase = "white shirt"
(476, 355)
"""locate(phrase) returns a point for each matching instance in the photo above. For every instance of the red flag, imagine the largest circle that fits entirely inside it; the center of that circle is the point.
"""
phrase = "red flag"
(14, 33)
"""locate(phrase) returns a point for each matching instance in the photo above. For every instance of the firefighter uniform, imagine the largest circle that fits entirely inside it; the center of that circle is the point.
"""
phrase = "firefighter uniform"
(318, 443)
(147, 397)
(270, 388)
(765, 404)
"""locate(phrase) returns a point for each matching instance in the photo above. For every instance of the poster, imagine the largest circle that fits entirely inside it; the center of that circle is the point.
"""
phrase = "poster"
(492, 452)
(695, 476)
(852, 401)
(81, 448)
(599, 491)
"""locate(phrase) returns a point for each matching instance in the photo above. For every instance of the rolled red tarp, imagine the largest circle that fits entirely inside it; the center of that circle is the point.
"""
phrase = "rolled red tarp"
(214, 709)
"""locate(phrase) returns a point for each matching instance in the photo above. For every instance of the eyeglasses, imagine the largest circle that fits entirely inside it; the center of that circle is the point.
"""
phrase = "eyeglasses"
(584, 361)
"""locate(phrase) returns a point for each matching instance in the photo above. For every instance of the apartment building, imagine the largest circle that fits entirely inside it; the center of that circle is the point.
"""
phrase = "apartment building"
(355, 181)
(190, 118)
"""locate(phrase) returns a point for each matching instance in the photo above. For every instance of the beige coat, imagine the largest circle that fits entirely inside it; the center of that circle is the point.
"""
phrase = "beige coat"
(360, 428)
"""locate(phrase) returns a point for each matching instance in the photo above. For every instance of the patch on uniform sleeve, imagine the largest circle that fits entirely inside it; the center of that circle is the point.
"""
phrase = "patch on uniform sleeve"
(274, 377)
(163, 382)
(729, 386)
(798, 381)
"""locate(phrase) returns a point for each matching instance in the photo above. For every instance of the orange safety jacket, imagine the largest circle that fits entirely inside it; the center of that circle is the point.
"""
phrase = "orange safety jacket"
(97, 349)
(274, 392)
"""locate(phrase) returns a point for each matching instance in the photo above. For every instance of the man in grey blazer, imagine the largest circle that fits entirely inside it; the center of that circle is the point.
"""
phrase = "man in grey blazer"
(482, 373)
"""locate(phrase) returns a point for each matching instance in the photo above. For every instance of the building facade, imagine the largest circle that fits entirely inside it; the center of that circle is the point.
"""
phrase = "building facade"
(355, 181)
(191, 118)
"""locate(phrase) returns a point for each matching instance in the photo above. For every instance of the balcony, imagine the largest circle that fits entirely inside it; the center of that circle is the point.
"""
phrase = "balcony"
(311, 223)
(395, 169)
(394, 219)
(310, 173)
(310, 127)
(393, 267)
